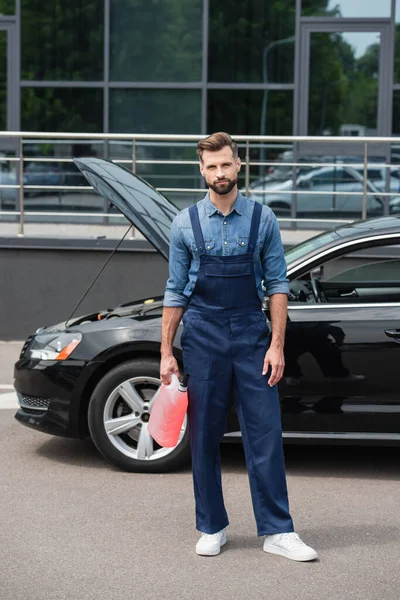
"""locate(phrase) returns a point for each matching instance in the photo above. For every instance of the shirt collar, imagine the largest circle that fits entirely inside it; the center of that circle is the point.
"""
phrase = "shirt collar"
(210, 208)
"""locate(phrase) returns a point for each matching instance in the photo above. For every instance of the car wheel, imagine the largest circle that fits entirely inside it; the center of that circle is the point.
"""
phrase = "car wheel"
(281, 209)
(119, 410)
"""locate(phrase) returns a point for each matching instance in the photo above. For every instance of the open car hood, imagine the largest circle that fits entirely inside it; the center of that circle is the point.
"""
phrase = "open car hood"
(148, 210)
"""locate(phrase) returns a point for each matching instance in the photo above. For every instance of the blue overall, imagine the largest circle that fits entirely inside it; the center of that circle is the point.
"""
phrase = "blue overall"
(224, 343)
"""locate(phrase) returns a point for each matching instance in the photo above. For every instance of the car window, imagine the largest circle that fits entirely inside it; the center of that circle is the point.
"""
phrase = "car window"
(371, 275)
(372, 174)
(332, 177)
(379, 263)
(380, 271)
(296, 253)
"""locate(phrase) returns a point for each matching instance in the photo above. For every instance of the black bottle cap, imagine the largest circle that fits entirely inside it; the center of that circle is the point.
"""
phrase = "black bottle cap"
(184, 379)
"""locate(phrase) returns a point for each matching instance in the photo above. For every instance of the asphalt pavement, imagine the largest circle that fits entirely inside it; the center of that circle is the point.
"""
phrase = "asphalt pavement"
(74, 527)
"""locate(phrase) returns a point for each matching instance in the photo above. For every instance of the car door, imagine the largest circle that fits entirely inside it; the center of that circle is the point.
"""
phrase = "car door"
(342, 376)
(316, 198)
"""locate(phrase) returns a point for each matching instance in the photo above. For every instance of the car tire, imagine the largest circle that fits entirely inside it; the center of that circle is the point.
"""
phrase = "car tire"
(105, 405)
(281, 209)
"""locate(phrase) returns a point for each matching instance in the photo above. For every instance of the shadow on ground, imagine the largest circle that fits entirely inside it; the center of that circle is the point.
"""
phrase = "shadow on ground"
(73, 452)
(366, 462)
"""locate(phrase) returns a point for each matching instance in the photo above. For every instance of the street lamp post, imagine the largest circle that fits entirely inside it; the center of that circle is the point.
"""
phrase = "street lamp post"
(265, 94)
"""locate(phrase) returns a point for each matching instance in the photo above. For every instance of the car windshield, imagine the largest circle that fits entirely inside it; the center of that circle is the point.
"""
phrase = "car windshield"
(297, 252)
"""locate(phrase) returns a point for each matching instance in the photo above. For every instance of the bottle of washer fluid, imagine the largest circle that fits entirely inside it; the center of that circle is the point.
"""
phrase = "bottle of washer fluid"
(168, 412)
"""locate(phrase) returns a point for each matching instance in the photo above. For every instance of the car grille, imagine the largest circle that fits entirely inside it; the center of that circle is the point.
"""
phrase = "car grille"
(33, 412)
(36, 403)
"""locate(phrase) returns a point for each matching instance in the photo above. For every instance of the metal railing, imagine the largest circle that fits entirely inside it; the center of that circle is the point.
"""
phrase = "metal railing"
(141, 152)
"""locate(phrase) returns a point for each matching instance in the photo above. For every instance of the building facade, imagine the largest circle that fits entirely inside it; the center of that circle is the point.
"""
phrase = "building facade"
(277, 67)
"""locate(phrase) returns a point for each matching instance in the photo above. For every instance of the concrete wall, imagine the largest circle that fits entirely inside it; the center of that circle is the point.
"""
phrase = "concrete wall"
(42, 280)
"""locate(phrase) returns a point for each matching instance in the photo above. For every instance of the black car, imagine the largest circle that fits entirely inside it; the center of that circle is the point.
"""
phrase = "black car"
(97, 374)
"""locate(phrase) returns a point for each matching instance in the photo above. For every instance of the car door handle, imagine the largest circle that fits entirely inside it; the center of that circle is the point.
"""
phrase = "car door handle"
(351, 294)
(393, 333)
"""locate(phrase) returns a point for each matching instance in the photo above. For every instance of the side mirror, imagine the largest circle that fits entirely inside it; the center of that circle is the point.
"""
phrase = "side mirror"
(317, 273)
(304, 184)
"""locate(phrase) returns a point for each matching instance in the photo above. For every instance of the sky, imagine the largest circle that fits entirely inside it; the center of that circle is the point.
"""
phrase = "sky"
(363, 8)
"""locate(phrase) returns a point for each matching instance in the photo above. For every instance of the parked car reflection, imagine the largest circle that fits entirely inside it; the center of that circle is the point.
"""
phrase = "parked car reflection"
(50, 174)
(325, 191)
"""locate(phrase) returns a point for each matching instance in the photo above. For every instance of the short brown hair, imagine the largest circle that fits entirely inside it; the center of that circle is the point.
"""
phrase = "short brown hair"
(215, 142)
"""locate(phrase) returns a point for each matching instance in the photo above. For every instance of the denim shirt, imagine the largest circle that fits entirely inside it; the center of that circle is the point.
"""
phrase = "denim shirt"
(224, 236)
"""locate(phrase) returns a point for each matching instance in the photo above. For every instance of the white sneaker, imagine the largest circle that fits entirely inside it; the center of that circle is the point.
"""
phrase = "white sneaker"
(289, 545)
(210, 543)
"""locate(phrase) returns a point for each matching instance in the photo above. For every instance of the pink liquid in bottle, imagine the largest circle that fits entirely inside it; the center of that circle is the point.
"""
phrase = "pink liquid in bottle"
(168, 412)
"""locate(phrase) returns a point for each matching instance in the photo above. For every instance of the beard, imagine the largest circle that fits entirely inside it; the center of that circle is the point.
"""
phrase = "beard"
(224, 187)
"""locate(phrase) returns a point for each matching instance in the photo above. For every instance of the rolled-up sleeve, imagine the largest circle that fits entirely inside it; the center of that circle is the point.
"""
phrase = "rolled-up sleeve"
(273, 260)
(179, 263)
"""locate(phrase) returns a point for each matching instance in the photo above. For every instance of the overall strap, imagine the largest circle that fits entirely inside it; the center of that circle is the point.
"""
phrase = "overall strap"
(198, 235)
(255, 224)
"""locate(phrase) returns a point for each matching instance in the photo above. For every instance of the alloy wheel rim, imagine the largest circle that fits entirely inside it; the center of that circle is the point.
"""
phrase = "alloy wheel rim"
(125, 419)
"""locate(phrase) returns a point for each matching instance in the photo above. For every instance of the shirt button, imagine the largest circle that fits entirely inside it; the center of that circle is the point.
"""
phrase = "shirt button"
(224, 222)
(242, 243)
(225, 242)
(208, 247)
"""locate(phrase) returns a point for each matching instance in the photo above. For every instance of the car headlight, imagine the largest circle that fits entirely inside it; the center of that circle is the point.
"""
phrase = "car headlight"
(53, 346)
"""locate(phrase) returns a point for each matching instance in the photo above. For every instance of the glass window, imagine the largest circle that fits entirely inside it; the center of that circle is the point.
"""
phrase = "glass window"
(241, 111)
(379, 264)
(373, 174)
(7, 7)
(49, 171)
(343, 92)
(156, 41)
(155, 111)
(61, 40)
(366, 275)
(251, 42)
(396, 77)
(331, 177)
(3, 80)
(62, 109)
(164, 175)
(346, 8)
(250, 112)
(382, 271)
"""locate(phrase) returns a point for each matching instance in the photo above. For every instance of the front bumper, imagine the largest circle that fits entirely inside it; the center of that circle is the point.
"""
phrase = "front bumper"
(50, 394)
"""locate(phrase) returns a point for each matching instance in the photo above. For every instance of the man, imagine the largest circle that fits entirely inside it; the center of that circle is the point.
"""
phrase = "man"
(221, 251)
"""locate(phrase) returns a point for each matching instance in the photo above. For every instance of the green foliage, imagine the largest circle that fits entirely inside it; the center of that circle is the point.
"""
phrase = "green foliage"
(66, 109)
(62, 40)
(155, 111)
(7, 7)
(319, 8)
(343, 89)
(160, 40)
(239, 111)
(239, 32)
(156, 40)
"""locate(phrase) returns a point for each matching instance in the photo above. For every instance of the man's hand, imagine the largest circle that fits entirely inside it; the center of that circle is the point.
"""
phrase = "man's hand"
(168, 366)
(275, 357)
(276, 360)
